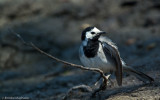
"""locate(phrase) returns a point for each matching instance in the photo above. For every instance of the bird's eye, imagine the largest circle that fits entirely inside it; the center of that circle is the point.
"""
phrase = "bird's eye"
(92, 32)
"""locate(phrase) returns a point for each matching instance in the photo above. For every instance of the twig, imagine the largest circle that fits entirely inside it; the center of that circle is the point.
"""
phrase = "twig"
(103, 85)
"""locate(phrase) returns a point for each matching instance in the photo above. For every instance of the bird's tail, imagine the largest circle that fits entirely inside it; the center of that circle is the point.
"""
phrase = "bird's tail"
(140, 75)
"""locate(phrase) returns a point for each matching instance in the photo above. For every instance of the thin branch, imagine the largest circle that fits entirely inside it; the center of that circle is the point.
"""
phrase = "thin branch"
(103, 85)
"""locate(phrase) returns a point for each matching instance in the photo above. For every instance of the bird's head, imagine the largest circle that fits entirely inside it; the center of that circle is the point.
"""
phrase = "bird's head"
(91, 33)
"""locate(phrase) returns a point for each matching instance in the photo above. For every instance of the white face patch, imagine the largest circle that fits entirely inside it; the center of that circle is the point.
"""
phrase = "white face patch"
(89, 35)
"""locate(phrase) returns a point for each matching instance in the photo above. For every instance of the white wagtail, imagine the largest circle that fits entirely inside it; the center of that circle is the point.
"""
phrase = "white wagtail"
(100, 52)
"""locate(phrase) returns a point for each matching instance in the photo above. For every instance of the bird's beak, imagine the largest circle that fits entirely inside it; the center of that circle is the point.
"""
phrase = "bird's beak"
(102, 32)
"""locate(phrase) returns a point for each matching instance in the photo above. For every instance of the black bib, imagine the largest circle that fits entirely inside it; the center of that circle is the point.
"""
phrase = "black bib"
(91, 49)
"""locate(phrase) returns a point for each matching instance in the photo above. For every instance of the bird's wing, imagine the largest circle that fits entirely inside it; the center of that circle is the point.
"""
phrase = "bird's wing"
(112, 54)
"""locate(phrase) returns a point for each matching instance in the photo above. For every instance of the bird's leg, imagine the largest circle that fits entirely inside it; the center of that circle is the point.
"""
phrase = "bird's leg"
(112, 83)
(109, 82)
(108, 78)
(102, 86)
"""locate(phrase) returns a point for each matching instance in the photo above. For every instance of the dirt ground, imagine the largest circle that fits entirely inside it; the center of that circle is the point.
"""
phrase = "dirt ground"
(55, 26)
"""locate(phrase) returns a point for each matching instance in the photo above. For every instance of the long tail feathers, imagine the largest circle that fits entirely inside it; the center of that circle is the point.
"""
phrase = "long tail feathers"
(145, 78)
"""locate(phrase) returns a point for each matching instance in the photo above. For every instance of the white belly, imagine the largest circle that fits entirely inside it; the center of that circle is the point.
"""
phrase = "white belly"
(99, 61)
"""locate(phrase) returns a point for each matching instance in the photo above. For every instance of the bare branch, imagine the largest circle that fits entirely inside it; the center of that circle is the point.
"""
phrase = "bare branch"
(19, 36)
(103, 85)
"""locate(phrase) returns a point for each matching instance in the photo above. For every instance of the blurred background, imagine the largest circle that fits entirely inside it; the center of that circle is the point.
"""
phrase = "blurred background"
(55, 26)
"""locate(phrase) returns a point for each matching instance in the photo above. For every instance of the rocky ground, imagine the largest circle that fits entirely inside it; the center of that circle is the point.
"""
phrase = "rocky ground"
(55, 26)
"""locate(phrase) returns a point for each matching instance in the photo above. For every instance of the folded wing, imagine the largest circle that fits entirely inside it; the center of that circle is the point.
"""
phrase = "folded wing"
(113, 56)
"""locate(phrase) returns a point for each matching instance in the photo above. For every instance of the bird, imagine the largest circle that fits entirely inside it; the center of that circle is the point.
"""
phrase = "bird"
(98, 51)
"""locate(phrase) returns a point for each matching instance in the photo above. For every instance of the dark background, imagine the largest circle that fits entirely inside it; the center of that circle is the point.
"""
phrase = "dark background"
(55, 26)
